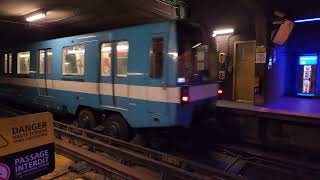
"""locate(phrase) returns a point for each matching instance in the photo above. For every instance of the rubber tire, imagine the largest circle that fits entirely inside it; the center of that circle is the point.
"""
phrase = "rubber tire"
(87, 119)
(122, 128)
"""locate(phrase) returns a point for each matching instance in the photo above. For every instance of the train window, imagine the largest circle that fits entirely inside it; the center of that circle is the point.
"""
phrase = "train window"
(23, 62)
(122, 58)
(42, 57)
(73, 59)
(200, 57)
(156, 57)
(49, 61)
(106, 54)
(43, 54)
(8, 63)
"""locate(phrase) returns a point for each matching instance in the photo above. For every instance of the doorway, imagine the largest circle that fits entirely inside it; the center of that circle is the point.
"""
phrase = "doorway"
(244, 70)
(113, 85)
(44, 71)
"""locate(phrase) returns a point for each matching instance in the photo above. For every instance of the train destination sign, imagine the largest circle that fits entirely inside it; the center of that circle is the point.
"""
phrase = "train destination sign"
(26, 146)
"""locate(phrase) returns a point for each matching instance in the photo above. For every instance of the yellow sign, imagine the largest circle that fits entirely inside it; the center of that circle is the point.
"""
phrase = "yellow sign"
(260, 49)
(222, 58)
(25, 132)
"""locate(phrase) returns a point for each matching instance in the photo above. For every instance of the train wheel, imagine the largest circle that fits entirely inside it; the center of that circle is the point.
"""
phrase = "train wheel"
(87, 119)
(115, 126)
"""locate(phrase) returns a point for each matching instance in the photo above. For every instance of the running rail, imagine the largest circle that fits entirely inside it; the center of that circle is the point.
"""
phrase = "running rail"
(168, 165)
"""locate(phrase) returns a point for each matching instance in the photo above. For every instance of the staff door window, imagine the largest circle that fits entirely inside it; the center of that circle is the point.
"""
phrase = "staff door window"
(156, 57)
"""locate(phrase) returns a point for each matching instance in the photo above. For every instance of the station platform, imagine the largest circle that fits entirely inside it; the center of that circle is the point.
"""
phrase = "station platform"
(300, 110)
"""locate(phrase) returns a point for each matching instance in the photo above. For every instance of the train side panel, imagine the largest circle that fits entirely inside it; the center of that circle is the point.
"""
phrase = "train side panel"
(144, 102)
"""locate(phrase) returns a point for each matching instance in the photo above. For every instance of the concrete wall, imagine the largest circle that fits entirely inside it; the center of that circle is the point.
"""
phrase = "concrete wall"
(225, 44)
(219, 15)
(276, 80)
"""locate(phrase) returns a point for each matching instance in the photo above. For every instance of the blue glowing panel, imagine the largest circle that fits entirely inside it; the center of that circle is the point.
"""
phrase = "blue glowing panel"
(307, 20)
(304, 94)
(308, 60)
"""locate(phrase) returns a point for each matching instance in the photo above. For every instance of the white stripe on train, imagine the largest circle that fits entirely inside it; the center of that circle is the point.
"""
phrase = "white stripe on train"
(159, 94)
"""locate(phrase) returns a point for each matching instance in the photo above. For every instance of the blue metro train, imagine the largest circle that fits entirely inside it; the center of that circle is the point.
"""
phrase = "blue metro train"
(151, 75)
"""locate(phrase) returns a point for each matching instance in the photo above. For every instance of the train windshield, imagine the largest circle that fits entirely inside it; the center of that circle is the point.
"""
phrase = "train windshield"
(192, 53)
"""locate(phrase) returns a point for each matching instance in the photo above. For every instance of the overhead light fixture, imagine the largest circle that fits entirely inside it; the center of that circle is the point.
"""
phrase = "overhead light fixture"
(222, 31)
(195, 46)
(36, 16)
(307, 20)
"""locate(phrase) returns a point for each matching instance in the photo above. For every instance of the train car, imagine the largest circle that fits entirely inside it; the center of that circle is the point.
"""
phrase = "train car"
(143, 76)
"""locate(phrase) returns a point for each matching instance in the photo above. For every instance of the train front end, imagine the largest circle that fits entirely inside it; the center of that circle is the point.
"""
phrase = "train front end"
(198, 90)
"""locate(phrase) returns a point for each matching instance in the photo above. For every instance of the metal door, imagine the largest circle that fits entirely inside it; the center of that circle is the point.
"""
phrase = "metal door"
(120, 74)
(244, 71)
(44, 71)
(106, 77)
(157, 92)
(113, 85)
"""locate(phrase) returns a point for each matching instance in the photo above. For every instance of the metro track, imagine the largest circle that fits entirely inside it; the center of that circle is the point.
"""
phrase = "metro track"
(262, 157)
(69, 140)
(280, 163)
(167, 166)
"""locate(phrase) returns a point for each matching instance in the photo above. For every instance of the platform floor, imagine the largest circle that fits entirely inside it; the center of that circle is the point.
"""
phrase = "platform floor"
(302, 107)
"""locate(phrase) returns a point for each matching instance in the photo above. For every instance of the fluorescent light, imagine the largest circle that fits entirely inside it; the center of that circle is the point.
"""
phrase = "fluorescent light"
(307, 20)
(181, 80)
(24, 56)
(35, 17)
(196, 45)
(87, 37)
(119, 48)
(222, 31)
(173, 54)
(122, 47)
(106, 49)
(73, 51)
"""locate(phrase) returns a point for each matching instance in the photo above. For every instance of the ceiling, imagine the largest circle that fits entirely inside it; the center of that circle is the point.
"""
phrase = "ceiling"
(239, 14)
(68, 17)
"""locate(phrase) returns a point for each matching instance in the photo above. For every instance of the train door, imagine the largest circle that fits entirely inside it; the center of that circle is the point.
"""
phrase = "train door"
(120, 74)
(113, 84)
(244, 71)
(105, 83)
(157, 94)
(44, 71)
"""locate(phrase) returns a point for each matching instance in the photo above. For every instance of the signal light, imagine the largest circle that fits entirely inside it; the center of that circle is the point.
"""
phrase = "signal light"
(220, 91)
(185, 98)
